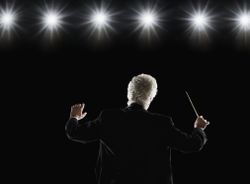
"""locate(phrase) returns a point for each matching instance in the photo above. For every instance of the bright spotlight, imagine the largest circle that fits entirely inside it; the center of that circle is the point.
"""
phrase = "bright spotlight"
(241, 24)
(147, 20)
(244, 21)
(100, 20)
(8, 20)
(51, 20)
(200, 22)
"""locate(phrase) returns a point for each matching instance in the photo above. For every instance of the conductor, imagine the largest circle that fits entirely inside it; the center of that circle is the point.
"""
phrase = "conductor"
(135, 144)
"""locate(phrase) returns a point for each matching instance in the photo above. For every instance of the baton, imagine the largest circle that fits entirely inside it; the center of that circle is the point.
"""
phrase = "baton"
(195, 111)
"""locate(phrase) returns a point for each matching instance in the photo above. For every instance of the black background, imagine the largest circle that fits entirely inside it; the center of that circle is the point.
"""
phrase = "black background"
(42, 79)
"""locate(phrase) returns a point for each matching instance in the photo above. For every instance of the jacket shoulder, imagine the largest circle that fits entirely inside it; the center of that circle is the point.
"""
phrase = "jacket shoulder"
(113, 111)
(158, 115)
(162, 118)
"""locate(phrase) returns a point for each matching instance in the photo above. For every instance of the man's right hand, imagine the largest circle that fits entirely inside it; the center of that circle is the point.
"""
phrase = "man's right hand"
(77, 111)
(201, 123)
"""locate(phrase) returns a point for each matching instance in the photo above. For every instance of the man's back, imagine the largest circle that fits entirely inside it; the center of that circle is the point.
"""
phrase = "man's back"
(136, 138)
(135, 145)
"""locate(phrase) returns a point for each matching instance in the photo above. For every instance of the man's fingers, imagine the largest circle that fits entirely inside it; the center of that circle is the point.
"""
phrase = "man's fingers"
(82, 106)
(78, 105)
(206, 121)
(84, 114)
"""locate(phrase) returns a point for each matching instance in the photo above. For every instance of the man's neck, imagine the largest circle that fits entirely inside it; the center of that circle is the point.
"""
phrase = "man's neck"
(142, 106)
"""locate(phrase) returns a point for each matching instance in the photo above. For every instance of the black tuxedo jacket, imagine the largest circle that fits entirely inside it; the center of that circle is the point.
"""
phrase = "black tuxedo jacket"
(135, 145)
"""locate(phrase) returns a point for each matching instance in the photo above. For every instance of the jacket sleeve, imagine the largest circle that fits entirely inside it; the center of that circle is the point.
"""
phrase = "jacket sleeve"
(83, 132)
(184, 142)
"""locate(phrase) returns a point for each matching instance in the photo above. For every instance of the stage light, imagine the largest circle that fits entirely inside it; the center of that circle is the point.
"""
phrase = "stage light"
(52, 20)
(199, 21)
(99, 21)
(244, 21)
(241, 24)
(8, 20)
(148, 20)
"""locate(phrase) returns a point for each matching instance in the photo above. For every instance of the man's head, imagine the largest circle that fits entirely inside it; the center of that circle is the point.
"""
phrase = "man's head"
(141, 90)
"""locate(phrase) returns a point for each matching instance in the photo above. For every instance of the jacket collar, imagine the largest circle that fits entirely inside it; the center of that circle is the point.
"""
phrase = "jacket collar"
(135, 106)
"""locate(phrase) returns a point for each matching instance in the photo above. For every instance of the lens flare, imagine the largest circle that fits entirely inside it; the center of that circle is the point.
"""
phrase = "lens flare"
(148, 20)
(200, 21)
(241, 23)
(8, 20)
(100, 21)
(52, 20)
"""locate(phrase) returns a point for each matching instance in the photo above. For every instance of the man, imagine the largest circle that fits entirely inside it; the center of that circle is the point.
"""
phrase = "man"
(135, 144)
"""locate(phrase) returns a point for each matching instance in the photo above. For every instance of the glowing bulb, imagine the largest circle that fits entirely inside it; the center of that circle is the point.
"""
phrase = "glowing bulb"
(100, 19)
(147, 19)
(200, 21)
(51, 20)
(7, 19)
(244, 21)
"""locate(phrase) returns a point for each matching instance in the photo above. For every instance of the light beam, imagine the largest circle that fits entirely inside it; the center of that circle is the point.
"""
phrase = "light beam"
(241, 23)
(100, 20)
(200, 21)
(52, 20)
(8, 20)
(148, 20)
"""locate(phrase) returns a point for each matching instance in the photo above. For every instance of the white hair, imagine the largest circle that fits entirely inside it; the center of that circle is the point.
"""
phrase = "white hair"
(141, 90)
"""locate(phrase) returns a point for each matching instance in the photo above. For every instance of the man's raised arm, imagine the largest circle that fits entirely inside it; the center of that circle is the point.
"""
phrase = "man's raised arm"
(84, 132)
(189, 142)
